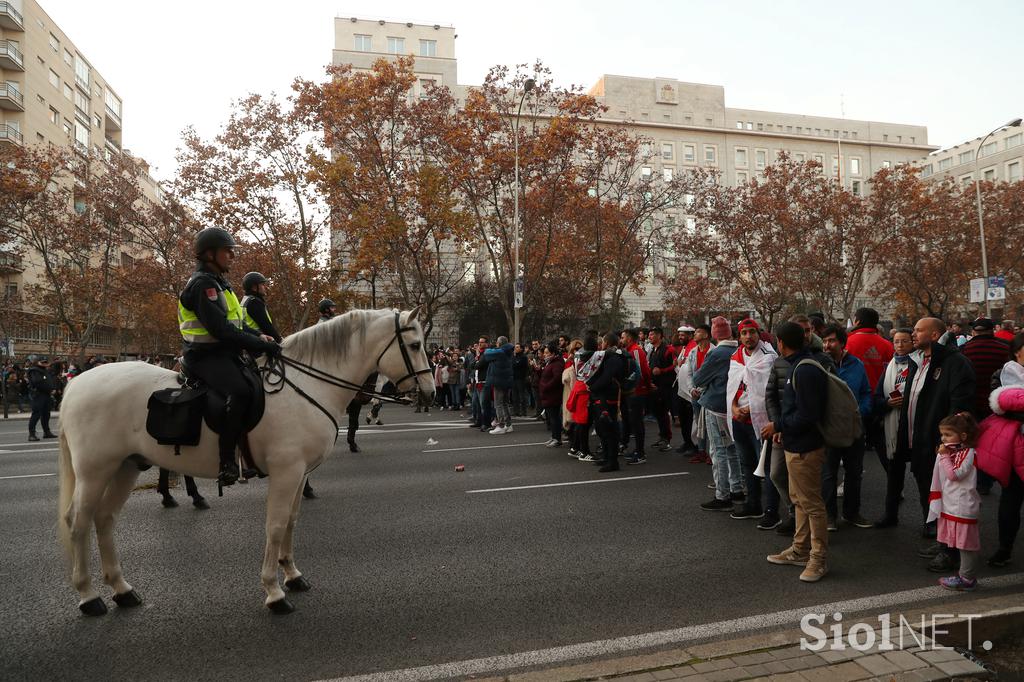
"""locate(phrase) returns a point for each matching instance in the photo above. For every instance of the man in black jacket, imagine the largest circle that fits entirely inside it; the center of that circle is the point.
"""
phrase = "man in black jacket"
(940, 382)
(41, 385)
(803, 406)
(605, 387)
(662, 362)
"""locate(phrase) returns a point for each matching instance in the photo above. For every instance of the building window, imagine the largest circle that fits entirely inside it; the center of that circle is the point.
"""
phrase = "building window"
(689, 153)
(760, 126)
(799, 129)
(988, 174)
(99, 121)
(69, 58)
(885, 138)
(67, 128)
(81, 72)
(54, 116)
(926, 170)
(691, 224)
(855, 188)
(741, 156)
(739, 125)
(645, 172)
(54, 79)
(1013, 171)
(1014, 140)
(81, 135)
(966, 157)
(710, 154)
(54, 43)
(800, 157)
(750, 126)
(846, 134)
(363, 43)
(68, 93)
(835, 165)
(854, 165)
(821, 160)
(760, 159)
(668, 152)
(789, 129)
(990, 148)
(741, 178)
(946, 163)
(428, 48)
(81, 103)
(113, 103)
(886, 164)
(667, 173)
(966, 179)
(396, 45)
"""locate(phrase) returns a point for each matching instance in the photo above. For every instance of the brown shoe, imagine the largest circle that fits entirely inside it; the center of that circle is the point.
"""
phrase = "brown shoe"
(789, 557)
(816, 570)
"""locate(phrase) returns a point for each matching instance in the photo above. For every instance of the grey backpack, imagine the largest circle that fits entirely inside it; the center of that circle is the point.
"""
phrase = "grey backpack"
(840, 426)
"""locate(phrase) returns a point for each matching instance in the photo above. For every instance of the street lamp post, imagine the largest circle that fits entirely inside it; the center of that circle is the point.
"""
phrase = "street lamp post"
(519, 285)
(981, 218)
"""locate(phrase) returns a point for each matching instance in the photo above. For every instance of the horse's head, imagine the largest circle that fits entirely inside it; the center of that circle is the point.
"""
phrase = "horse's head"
(404, 361)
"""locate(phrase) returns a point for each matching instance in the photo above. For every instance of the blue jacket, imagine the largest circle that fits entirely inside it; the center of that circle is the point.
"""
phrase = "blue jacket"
(499, 366)
(852, 371)
(802, 410)
(713, 376)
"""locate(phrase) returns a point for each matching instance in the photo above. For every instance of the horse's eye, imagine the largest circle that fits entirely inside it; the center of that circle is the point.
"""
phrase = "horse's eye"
(415, 347)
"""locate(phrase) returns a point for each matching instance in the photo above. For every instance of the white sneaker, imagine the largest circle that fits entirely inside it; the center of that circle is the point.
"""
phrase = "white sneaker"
(497, 431)
(508, 429)
(550, 443)
(494, 423)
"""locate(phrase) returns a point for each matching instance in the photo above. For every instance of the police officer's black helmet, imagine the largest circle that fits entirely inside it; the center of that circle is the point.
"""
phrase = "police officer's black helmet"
(250, 281)
(212, 238)
(325, 306)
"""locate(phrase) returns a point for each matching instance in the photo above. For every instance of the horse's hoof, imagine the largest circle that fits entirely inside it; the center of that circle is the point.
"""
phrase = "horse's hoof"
(299, 584)
(200, 503)
(169, 502)
(128, 599)
(93, 607)
(281, 607)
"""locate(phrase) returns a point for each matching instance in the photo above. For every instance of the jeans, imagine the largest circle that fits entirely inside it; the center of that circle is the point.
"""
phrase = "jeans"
(605, 418)
(553, 418)
(453, 396)
(725, 465)
(852, 459)
(502, 405)
(579, 436)
(686, 416)
(748, 447)
(474, 401)
(1010, 501)
(487, 405)
(811, 534)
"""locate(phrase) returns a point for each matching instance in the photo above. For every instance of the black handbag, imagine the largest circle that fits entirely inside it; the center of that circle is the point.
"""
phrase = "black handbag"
(176, 415)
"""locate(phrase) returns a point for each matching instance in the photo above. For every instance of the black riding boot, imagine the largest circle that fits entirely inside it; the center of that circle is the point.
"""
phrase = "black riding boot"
(307, 491)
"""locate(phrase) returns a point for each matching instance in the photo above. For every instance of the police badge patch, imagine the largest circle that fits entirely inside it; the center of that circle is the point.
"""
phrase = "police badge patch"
(211, 294)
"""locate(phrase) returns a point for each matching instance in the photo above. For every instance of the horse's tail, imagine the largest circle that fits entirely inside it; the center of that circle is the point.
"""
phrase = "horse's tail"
(67, 490)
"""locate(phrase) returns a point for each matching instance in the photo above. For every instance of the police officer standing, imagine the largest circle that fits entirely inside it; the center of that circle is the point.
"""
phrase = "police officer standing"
(41, 385)
(210, 319)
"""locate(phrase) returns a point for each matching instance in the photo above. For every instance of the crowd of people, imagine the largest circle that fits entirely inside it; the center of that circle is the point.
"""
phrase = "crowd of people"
(784, 418)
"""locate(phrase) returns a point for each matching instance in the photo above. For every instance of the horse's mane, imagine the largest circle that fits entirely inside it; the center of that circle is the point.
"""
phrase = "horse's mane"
(339, 335)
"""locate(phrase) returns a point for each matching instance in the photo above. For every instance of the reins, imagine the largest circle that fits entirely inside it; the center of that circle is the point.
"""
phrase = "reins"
(274, 376)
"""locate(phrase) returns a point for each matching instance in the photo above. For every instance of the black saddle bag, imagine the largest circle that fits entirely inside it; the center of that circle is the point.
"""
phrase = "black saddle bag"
(176, 415)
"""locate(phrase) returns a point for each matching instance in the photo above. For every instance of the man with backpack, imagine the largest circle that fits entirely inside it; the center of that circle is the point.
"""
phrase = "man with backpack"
(798, 428)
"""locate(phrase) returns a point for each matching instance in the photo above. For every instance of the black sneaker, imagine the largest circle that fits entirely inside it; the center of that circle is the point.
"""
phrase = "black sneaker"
(717, 505)
(929, 551)
(636, 459)
(32, 437)
(746, 511)
(737, 498)
(1000, 559)
(49, 435)
(660, 443)
(942, 563)
(787, 527)
(685, 449)
(770, 521)
(887, 522)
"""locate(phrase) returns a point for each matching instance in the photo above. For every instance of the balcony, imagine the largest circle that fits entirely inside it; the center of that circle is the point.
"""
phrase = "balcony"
(11, 57)
(113, 118)
(11, 97)
(10, 17)
(9, 134)
(10, 263)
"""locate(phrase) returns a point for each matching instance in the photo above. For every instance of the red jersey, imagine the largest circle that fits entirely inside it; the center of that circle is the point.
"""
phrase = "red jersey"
(868, 346)
(643, 387)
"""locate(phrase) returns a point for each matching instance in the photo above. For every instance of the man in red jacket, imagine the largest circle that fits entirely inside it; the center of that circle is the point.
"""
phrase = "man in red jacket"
(635, 403)
(868, 346)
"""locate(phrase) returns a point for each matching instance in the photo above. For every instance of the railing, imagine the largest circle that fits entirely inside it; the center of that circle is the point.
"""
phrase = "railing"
(9, 132)
(8, 49)
(12, 92)
(113, 114)
(8, 9)
(10, 261)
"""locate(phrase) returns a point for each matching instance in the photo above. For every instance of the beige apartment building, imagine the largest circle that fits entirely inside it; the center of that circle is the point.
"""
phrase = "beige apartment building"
(1002, 158)
(51, 94)
(689, 125)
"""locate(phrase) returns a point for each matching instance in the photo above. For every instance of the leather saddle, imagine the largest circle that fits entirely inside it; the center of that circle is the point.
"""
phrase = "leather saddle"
(214, 413)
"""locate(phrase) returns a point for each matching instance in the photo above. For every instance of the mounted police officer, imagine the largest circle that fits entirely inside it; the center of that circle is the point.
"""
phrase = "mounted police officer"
(257, 317)
(327, 310)
(210, 320)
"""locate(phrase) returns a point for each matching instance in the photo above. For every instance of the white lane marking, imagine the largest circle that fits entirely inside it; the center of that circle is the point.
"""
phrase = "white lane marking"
(556, 485)
(451, 427)
(488, 447)
(649, 640)
(22, 452)
(4, 478)
(28, 443)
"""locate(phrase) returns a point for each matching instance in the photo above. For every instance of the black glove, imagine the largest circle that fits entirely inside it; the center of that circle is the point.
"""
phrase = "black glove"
(272, 350)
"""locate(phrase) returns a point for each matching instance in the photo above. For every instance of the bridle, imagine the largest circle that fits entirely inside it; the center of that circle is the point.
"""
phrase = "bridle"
(275, 377)
(411, 372)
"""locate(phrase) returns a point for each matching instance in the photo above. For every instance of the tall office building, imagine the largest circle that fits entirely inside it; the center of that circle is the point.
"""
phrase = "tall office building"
(1002, 158)
(689, 125)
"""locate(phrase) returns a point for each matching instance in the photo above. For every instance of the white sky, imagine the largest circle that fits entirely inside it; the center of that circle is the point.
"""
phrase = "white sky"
(937, 63)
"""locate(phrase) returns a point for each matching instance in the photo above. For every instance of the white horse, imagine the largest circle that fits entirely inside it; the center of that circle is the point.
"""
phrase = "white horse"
(103, 436)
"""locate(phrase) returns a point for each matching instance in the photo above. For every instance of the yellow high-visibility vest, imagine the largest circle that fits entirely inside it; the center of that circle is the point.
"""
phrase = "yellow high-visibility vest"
(249, 322)
(192, 329)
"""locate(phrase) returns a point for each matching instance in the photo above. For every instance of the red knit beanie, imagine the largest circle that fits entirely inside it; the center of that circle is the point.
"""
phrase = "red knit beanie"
(720, 329)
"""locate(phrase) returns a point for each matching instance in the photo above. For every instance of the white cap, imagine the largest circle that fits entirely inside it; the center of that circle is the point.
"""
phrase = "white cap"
(686, 328)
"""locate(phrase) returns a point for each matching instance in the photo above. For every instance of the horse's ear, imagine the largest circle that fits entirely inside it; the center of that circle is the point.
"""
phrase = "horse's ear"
(414, 314)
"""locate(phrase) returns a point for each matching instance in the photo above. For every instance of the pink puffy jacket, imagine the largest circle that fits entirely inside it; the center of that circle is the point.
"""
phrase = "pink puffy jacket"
(1001, 443)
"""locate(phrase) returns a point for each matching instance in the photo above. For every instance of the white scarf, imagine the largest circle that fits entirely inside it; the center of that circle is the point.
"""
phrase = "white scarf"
(1012, 374)
(753, 372)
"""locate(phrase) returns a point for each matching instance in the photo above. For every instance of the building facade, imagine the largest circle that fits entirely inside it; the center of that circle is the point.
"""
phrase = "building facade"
(1002, 158)
(689, 125)
(51, 94)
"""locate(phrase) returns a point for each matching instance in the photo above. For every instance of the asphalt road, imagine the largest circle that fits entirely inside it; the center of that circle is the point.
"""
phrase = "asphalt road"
(408, 567)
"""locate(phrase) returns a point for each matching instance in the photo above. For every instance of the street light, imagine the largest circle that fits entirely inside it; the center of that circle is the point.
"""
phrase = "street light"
(518, 286)
(981, 219)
